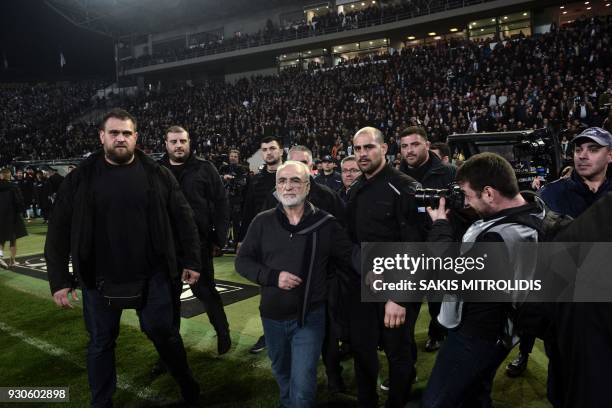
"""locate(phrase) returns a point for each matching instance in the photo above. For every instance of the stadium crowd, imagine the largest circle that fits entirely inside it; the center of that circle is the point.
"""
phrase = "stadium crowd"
(559, 80)
(321, 23)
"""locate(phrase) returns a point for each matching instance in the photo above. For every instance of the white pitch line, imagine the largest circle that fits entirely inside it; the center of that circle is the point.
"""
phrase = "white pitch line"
(123, 382)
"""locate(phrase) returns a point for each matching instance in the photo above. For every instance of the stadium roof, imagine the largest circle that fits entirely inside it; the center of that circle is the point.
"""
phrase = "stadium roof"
(119, 18)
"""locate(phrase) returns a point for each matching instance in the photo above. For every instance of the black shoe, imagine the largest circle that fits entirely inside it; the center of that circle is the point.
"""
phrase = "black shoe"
(224, 342)
(385, 384)
(158, 369)
(191, 394)
(259, 346)
(335, 384)
(432, 345)
(517, 366)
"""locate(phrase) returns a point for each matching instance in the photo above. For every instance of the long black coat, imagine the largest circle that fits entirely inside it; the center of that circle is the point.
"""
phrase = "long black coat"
(12, 226)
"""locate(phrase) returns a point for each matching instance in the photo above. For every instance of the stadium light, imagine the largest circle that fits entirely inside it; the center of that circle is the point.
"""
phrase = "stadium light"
(586, 2)
(412, 37)
(432, 33)
(437, 37)
(371, 42)
(505, 17)
(492, 20)
(363, 4)
(454, 30)
(524, 14)
(565, 12)
(562, 7)
(588, 8)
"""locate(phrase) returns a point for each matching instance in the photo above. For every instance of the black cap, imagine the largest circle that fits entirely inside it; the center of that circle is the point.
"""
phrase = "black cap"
(327, 158)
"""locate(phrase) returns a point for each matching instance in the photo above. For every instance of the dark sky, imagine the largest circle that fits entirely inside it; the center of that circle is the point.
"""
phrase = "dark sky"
(32, 36)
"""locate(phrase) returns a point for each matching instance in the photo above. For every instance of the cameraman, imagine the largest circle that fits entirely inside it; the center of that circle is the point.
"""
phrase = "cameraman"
(235, 178)
(477, 340)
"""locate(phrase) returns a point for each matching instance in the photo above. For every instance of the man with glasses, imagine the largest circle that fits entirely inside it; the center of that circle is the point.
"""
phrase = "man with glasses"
(350, 171)
(288, 250)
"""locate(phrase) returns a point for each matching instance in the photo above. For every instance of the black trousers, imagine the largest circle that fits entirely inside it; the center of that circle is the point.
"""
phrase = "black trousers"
(204, 289)
(331, 350)
(436, 331)
(157, 321)
(367, 331)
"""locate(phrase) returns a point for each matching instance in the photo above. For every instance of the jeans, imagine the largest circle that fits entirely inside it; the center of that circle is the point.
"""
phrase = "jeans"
(294, 352)
(157, 321)
(463, 373)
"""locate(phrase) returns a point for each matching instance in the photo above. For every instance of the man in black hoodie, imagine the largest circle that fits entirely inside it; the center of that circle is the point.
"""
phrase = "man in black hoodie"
(206, 195)
(288, 251)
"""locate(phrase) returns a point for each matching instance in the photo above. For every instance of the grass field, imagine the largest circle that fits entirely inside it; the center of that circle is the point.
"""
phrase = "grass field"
(41, 345)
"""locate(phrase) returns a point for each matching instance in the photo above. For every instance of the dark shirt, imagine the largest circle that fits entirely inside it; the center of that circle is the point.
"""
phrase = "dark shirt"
(418, 173)
(571, 196)
(122, 243)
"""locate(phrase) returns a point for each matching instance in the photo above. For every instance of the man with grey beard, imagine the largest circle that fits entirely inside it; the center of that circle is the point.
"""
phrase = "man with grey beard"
(288, 250)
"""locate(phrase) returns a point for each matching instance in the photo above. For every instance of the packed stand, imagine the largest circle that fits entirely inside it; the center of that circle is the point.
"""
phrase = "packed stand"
(560, 80)
(295, 29)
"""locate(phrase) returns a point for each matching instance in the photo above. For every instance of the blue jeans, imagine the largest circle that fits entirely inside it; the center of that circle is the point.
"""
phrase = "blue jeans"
(463, 373)
(294, 352)
(157, 321)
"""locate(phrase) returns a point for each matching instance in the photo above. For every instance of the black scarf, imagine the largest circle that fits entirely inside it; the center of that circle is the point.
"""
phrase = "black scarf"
(312, 220)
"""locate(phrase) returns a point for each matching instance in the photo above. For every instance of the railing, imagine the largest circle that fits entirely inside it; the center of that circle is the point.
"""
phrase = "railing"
(252, 41)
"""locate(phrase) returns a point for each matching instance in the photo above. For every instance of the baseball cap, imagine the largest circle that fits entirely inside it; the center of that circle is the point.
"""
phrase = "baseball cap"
(327, 158)
(600, 136)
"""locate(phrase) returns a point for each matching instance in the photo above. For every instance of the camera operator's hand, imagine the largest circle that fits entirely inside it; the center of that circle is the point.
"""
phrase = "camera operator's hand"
(228, 177)
(440, 213)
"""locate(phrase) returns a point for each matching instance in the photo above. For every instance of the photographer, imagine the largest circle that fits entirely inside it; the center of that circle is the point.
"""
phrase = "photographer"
(235, 178)
(477, 341)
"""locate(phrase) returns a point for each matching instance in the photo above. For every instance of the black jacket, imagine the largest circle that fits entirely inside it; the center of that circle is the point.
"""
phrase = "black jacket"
(11, 206)
(383, 209)
(71, 233)
(203, 189)
(439, 175)
(259, 187)
(570, 196)
(581, 350)
(307, 250)
(333, 180)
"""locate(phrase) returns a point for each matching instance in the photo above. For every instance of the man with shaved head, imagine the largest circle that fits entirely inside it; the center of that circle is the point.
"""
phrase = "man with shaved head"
(288, 250)
(381, 208)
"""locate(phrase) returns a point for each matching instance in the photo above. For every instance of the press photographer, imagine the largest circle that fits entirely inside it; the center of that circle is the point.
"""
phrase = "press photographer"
(235, 178)
(478, 340)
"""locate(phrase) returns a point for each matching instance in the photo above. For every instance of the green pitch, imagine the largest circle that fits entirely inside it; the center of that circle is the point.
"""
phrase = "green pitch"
(41, 345)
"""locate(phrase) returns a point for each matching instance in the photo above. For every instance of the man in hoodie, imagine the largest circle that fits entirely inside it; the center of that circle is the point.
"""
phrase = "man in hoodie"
(202, 186)
(477, 341)
(288, 250)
